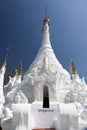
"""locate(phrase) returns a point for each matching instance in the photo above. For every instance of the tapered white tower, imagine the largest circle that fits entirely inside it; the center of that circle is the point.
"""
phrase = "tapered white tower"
(46, 73)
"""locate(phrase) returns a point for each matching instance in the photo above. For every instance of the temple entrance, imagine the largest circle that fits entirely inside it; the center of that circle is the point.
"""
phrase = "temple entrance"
(45, 97)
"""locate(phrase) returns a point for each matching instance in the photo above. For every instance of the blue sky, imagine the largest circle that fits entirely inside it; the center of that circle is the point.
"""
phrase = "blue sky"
(21, 31)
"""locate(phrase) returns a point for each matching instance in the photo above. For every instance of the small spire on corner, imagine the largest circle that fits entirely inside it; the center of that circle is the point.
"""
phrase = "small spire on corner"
(6, 56)
(19, 69)
(73, 69)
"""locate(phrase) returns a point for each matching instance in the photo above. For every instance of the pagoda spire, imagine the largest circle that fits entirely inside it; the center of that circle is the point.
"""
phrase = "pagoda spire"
(19, 69)
(73, 69)
(46, 33)
(4, 64)
(46, 20)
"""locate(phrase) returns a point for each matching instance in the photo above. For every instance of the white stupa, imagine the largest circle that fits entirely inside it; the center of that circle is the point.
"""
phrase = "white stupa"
(48, 97)
(46, 70)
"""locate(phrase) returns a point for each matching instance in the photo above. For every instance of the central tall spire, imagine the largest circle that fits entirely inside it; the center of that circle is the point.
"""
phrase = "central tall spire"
(46, 34)
(46, 20)
(46, 70)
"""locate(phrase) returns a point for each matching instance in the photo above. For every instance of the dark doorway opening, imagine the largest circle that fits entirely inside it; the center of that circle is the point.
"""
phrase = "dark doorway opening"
(0, 128)
(45, 97)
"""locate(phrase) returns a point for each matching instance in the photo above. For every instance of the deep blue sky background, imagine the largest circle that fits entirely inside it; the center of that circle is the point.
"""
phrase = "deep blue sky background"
(21, 31)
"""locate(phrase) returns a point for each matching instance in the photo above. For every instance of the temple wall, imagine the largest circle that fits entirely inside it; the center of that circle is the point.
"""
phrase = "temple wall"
(7, 125)
(21, 117)
(31, 116)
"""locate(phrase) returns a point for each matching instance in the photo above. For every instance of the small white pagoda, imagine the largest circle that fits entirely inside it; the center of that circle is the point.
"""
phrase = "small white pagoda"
(47, 98)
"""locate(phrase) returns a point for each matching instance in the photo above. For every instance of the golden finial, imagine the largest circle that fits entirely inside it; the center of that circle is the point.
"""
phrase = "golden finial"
(19, 69)
(73, 69)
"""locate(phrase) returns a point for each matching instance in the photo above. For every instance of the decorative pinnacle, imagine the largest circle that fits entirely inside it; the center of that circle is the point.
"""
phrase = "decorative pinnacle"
(73, 68)
(46, 12)
(46, 20)
(19, 69)
(6, 56)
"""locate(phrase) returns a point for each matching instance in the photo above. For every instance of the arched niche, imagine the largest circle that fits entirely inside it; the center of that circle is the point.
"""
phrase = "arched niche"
(45, 97)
